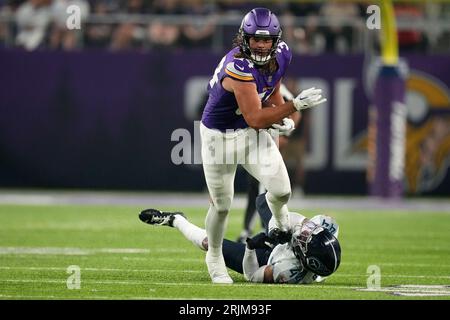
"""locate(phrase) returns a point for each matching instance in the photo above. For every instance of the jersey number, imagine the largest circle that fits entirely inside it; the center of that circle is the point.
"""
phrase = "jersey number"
(281, 46)
(215, 77)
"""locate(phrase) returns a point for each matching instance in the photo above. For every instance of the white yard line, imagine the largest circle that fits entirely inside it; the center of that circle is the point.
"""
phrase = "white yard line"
(174, 284)
(99, 269)
(89, 297)
(196, 284)
(399, 290)
(10, 296)
(413, 290)
(396, 264)
(201, 271)
(82, 251)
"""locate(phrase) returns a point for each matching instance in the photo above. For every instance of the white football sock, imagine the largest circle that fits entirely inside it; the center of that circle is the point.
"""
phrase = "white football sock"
(279, 211)
(190, 231)
(215, 230)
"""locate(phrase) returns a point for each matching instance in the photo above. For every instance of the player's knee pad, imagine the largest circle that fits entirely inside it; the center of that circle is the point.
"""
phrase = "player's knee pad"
(222, 205)
(281, 196)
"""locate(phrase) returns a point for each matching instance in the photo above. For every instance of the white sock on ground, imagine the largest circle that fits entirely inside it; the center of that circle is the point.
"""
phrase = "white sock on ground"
(190, 231)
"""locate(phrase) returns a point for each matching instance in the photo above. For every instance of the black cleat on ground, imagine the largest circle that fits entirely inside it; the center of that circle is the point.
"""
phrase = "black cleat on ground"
(157, 217)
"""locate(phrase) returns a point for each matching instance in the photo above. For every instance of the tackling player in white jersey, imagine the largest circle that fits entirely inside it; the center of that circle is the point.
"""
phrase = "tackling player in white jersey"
(309, 254)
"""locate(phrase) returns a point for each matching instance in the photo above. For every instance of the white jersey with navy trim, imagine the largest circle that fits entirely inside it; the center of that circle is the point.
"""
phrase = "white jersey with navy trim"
(286, 267)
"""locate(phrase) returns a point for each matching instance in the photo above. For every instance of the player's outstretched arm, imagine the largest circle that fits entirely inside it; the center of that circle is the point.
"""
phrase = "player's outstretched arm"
(252, 271)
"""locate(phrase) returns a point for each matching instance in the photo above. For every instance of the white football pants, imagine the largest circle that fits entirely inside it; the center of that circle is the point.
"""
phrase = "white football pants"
(256, 151)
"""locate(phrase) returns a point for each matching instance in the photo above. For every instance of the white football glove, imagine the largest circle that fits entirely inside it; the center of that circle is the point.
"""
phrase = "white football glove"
(286, 128)
(308, 98)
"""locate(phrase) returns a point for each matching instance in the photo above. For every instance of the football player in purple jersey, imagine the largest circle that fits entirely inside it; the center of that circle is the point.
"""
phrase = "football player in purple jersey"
(244, 100)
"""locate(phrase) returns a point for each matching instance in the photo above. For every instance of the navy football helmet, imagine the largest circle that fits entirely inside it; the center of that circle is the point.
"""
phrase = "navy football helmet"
(316, 247)
(261, 23)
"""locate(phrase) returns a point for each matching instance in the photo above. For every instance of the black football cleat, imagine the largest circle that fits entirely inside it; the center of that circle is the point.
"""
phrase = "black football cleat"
(159, 218)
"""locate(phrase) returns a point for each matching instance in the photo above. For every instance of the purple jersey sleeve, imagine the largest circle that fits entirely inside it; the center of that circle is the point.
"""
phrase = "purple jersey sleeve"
(239, 69)
(284, 56)
(222, 110)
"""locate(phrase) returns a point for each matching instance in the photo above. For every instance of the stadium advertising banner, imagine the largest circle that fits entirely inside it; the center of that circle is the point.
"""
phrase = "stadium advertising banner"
(116, 120)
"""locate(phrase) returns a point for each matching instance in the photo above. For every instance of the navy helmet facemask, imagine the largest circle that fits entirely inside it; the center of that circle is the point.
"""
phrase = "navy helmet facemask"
(316, 247)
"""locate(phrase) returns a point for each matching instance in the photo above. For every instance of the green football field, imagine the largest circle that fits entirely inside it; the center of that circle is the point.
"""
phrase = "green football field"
(43, 248)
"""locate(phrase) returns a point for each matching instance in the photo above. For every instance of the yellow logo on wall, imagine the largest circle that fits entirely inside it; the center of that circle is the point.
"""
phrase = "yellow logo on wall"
(428, 132)
(427, 149)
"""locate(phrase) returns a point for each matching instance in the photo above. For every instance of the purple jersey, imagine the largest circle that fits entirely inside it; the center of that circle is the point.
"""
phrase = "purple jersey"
(221, 110)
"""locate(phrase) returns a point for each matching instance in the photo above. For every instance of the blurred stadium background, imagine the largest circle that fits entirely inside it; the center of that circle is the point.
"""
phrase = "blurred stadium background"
(94, 109)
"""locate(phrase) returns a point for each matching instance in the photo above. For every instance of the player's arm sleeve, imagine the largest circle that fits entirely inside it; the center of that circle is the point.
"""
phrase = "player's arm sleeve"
(285, 51)
(286, 55)
(239, 70)
(252, 271)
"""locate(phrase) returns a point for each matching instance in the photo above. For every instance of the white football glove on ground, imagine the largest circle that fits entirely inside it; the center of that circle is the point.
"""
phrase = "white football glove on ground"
(286, 128)
(308, 98)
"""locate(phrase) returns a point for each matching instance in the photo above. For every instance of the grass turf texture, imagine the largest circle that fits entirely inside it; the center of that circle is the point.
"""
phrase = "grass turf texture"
(39, 243)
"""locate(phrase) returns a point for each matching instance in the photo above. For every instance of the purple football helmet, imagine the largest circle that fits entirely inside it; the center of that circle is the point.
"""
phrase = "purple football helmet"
(261, 23)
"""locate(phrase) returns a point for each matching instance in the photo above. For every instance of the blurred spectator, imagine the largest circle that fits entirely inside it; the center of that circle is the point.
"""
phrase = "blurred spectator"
(303, 9)
(4, 29)
(307, 36)
(130, 35)
(135, 6)
(12, 4)
(442, 39)
(338, 33)
(335, 26)
(98, 35)
(434, 31)
(163, 35)
(237, 7)
(412, 39)
(170, 7)
(198, 32)
(33, 19)
(306, 39)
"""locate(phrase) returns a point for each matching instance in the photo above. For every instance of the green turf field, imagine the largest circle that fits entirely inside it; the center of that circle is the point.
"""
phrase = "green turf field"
(122, 258)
